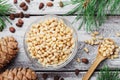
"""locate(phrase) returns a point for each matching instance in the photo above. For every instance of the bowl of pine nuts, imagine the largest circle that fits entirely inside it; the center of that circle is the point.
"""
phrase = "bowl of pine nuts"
(51, 42)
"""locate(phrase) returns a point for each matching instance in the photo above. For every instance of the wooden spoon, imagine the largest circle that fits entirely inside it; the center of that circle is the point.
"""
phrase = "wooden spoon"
(99, 58)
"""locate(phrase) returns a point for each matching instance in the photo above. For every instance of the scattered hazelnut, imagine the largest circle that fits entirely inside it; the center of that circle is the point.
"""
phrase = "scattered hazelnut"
(15, 1)
(27, 15)
(56, 77)
(61, 4)
(12, 29)
(41, 5)
(85, 60)
(44, 76)
(28, 1)
(12, 16)
(21, 14)
(77, 72)
(18, 24)
(49, 4)
(17, 15)
(25, 8)
(20, 21)
(22, 4)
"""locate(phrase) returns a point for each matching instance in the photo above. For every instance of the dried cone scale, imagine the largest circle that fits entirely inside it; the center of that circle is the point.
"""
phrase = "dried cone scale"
(8, 50)
(18, 74)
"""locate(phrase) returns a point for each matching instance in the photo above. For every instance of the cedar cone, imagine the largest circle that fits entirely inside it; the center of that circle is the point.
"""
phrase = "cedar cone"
(18, 74)
(8, 50)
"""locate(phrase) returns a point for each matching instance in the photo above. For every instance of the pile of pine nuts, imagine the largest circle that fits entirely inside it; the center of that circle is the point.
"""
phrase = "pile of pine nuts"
(109, 49)
(51, 42)
(95, 40)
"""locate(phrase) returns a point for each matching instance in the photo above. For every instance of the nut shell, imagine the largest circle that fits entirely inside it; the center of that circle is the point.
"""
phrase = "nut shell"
(27, 15)
(44, 76)
(12, 29)
(41, 5)
(15, 1)
(17, 15)
(85, 60)
(77, 72)
(25, 8)
(49, 4)
(20, 21)
(19, 25)
(12, 16)
(21, 14)
(22, 4)
(28, 1)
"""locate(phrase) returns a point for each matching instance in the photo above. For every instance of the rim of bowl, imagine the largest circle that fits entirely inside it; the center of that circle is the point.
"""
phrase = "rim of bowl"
(69, 59)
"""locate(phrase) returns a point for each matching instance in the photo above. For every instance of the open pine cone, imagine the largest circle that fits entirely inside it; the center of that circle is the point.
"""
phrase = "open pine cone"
(8, 50)
(18, 74)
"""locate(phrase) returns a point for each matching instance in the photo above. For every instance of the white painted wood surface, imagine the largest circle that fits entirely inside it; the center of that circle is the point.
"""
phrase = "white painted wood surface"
(34, 7)
(66, 75)
(107, 30)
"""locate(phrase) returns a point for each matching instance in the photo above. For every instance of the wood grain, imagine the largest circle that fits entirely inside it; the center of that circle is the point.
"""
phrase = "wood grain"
(34, 7)
(66, 75)
(92, 68)
(107, 30)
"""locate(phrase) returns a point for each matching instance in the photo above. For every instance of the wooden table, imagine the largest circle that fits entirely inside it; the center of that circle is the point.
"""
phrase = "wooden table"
(108, 29)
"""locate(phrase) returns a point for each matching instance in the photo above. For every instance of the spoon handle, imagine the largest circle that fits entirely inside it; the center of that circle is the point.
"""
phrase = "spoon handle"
(98, 59)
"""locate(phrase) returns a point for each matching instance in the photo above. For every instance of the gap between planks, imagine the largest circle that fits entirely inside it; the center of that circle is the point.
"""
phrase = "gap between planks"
(65, 14)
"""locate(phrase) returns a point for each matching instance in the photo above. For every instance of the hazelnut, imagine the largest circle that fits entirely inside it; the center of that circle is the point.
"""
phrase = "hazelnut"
(25, 8)
(12, 29)
(77, 72)
(44, 76)
(15, 1)
(22, 4)
(21, 15)
(85, 60)
(56, 77)
(49, 4)
(18, 24)
(12, 16)
(28, 1)
(61, 4)
(20, 21)
(17, 15)
(41, 5)
(27, 15)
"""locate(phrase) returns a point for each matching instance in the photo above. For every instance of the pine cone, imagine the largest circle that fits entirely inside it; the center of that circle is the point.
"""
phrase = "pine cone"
(8, 50)
(18, 74)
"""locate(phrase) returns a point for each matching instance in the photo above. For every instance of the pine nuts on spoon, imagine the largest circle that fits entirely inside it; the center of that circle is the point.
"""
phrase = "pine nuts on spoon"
(105, 50)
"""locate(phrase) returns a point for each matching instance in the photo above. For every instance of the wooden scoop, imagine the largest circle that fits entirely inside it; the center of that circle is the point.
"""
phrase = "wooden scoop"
(99, 58)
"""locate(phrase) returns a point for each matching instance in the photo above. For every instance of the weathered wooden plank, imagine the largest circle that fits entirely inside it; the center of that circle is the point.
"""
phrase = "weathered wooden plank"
(107, 30)
(34, 7)
(66, 75)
